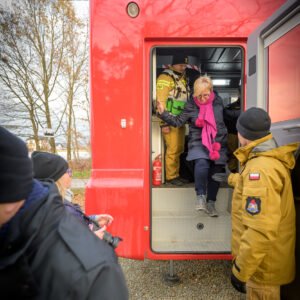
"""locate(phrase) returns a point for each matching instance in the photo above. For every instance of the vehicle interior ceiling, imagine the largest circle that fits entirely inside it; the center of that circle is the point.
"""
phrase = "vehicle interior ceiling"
(222, 64)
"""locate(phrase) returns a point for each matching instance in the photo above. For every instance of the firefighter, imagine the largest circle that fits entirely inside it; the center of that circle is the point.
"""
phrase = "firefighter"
(172, 92)
(263, 212)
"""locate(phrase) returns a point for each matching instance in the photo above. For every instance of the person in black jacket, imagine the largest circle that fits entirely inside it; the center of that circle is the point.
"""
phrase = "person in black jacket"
(231, 113)
(45, 253)
(207, 144)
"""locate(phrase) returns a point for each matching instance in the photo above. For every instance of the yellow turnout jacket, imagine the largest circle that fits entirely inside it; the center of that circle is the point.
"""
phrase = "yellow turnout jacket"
(263, 213)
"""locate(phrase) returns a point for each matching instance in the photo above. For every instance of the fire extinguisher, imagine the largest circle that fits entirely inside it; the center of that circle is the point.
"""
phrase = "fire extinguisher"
(156, 171)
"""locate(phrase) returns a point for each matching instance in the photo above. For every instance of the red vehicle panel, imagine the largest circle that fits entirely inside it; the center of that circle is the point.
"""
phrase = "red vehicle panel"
(120, 64)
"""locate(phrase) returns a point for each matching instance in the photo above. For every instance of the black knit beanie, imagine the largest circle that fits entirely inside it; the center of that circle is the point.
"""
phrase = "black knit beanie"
(253, 124)
(48, 165)
(179, 59)
(16, 176)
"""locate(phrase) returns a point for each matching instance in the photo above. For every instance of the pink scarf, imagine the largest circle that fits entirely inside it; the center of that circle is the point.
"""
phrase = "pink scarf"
(206, 119)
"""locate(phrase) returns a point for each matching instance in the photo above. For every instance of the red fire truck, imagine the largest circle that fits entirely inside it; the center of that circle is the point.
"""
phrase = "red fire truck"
(252, 46)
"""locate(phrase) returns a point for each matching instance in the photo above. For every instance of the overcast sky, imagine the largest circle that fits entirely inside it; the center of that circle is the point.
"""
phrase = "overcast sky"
(82, 8)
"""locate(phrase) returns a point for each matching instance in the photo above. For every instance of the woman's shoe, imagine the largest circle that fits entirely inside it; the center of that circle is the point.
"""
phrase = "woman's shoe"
(210, 209)
(201, 202)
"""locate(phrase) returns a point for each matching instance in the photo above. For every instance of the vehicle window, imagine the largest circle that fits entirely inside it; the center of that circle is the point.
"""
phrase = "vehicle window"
(284, 77)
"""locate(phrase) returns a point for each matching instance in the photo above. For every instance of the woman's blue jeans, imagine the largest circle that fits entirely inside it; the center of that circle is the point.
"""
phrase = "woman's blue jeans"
(204, 184)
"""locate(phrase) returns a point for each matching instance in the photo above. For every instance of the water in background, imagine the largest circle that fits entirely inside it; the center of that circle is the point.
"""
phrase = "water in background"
(82, 154)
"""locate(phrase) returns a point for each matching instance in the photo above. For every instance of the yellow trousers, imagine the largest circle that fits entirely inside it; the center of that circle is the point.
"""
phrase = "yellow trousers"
(256, 291)
(174, 141)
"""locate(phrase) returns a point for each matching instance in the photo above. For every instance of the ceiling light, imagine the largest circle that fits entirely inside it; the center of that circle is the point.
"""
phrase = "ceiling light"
(221, 82)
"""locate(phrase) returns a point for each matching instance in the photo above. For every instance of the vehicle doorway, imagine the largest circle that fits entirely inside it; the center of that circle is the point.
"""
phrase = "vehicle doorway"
(176, 227)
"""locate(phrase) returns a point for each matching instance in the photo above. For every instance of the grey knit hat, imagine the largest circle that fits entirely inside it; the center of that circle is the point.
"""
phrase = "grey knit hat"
(253, 124)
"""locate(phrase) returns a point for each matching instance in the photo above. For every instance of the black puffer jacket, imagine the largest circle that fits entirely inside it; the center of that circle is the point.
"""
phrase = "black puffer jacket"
(189, 115)
(46, 253)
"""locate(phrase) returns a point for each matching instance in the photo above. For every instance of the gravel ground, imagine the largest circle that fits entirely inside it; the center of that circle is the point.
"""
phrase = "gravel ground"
(198, 280)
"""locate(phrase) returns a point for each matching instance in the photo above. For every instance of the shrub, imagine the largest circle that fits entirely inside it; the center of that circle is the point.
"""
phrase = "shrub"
(81, 168)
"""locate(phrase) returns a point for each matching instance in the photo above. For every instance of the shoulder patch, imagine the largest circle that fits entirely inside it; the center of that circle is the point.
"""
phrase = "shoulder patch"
(254, 176)
(253, 205)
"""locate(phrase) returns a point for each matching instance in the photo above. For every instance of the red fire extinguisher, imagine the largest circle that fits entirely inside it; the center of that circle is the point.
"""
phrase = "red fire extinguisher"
(156, 171)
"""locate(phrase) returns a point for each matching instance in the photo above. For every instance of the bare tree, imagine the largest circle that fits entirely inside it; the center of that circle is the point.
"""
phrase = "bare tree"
(75, 74)
(35, 35)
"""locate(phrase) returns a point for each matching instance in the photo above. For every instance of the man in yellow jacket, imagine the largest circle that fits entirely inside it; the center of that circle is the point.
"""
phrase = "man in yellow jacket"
(263, 212)
(172, 91)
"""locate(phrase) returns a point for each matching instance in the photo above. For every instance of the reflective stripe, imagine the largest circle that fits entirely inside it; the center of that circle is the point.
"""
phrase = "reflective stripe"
(162, 86)
(165, 83)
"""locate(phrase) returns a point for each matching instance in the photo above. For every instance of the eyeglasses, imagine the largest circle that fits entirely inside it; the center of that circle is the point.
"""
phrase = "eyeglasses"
(69, 171)
(205, 96)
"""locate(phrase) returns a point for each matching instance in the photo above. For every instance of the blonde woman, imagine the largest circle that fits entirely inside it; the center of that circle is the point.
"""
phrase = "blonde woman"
(207, 140)
(52, 166)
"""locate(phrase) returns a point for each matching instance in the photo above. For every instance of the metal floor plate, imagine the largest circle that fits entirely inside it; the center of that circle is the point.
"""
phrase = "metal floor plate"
(178, 227)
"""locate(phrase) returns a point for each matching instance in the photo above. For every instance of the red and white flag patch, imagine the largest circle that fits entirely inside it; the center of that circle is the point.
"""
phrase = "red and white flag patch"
(254, 176)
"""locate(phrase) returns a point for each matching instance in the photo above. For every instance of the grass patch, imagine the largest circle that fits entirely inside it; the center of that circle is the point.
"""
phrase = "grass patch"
(81, 168)
(84, 174)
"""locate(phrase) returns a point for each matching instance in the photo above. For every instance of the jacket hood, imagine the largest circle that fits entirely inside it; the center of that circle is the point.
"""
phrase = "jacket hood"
(25, 225)
(268, 147)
